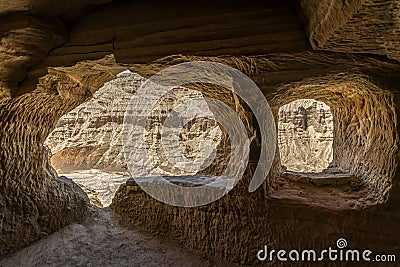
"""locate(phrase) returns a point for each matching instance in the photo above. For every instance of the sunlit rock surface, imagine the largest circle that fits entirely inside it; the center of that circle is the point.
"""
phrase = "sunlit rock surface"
(305, 135)
(87, 142)
(99, 186)
(89, 137)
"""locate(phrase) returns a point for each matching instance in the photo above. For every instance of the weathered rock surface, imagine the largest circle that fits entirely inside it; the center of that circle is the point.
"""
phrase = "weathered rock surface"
(359, 26)
(98, 185)
(89, 137)
(33, 202)
(290, 207)
(305, 135)
(237, 226)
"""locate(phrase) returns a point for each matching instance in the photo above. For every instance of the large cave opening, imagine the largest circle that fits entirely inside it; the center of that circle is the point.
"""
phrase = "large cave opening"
(87, 143)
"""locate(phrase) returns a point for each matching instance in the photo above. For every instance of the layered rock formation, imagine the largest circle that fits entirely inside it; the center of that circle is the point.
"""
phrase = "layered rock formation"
(305, 135)
(89, 137)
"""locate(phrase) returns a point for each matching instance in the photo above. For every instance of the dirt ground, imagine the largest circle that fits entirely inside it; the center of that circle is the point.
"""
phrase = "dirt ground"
(102, 241)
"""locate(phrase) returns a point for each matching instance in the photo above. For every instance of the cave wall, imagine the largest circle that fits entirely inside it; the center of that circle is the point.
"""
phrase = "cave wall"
(359, 26)
(33, 202)
(362, 127)
(287, 214)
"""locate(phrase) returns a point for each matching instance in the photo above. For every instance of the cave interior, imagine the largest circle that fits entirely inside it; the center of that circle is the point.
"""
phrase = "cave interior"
(345, 53)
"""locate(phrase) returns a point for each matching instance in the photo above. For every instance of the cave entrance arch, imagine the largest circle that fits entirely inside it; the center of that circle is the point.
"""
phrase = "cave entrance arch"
(86, 144)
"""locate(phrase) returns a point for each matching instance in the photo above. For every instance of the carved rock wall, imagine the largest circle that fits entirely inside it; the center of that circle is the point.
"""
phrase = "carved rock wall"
(237, 226)
(33, 203)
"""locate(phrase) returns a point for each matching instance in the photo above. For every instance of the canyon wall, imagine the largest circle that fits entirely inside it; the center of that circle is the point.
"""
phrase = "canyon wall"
(305, 135)
(89, 136)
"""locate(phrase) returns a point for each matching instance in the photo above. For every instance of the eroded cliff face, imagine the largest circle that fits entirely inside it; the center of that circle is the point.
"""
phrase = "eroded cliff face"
(87, 144)
(305, 135)
(89, 136)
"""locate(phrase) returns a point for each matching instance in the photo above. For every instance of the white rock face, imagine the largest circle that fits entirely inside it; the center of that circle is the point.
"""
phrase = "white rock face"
(87, 142)
(89, 137)
(305, 135)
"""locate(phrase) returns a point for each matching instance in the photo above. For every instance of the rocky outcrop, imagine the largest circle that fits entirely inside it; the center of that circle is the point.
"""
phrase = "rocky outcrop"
(89, 137)
(305, 135)
(87, 147)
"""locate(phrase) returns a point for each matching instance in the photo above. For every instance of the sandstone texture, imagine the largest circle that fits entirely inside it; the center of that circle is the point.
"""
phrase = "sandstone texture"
(359, 26)
(358, 185)
(34, 202)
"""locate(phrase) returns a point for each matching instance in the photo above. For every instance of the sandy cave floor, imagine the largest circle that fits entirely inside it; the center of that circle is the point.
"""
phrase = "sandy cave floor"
(100, 240)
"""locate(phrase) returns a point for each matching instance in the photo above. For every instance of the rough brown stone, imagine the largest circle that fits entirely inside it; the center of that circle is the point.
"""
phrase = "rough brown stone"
(357, 26)
(33, 203)
(283, 213)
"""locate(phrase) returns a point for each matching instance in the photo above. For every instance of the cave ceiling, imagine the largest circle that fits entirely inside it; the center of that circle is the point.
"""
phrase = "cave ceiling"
(38, 34)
